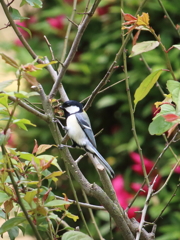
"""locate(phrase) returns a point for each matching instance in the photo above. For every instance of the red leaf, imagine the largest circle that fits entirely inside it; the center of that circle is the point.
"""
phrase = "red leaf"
(170, 117)
(35, 147)
(128, 17)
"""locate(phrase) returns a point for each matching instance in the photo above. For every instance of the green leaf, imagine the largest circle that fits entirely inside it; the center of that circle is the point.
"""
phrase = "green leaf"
(165, 109)
(106, 101)
(21, 123)
(4, 100)
(13, 233)
(9, 224)
(15, 14)
(143, 47)
(4, 197)
(146, 86)
(56, 203)
(159, 126)
(33, 3)
(5, 84)
(174, 89)
(25, 29)
(74, 235)
(2, 213)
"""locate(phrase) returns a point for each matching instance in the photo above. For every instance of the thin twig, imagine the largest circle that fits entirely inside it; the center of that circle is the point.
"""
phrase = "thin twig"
(68, 32)
(103, 90)
(77, 201)
(18, 33)
(72, 52)
(15, 186)
(132, 115)
(85, 205)
(168, 178)
(100, 86)
(50, 48)
(152, 169)
(173, 195)
(29, 108)
(168, 17)
(144, 211)
(92, 217)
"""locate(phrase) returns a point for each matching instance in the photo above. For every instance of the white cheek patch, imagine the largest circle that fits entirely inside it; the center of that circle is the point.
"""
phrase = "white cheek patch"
(72, 109)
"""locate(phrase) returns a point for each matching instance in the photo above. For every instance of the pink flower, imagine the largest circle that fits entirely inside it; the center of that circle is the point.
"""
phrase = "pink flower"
(177, 169)
(57, 22)
(25, 24)
(123, 196)
(137, 166)
(136, 186)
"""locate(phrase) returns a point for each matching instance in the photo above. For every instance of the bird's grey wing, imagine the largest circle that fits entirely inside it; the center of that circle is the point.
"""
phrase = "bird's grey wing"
(85, 124)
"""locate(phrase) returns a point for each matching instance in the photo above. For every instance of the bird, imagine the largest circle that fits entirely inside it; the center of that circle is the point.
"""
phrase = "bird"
(78, 128)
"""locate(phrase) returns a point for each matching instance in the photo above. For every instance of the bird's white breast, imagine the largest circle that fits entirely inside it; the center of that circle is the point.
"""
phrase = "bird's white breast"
(75, 132)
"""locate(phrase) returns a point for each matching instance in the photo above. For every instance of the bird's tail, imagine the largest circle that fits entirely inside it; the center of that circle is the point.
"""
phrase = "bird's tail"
(102, 161)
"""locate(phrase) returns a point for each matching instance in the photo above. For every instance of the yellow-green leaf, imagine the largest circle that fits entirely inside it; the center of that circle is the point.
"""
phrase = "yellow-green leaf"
(30, 195)
(4, 100)
(146, 86)
(45, 64)
(72, 216)
(54, 174)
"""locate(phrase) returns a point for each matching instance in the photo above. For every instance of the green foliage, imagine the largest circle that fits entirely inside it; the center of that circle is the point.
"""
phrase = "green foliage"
(39, 175)
(73, 235)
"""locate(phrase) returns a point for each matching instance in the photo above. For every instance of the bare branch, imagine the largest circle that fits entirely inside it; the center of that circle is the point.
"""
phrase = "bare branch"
(149, 195)
(81, 28)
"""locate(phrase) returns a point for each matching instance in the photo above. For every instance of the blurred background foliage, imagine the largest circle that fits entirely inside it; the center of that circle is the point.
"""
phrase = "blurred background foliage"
(110, 110)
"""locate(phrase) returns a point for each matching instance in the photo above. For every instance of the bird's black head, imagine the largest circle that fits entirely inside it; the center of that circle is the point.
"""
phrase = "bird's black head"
(71, 107)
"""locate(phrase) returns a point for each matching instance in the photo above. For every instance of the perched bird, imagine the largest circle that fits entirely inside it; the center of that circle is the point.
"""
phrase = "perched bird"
(78, 128)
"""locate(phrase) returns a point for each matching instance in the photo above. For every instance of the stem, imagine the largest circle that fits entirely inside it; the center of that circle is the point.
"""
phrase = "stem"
(77, 201)
(168, 63)
(132, 112)
(92, 217)
(169, 18)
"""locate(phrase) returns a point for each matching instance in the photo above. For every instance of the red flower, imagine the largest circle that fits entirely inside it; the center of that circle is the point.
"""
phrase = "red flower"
(103, 10)
(123, 196)
(57, 22)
